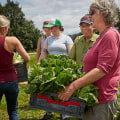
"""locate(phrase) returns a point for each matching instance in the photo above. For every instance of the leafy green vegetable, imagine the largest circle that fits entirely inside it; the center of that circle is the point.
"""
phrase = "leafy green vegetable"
(88, 93)
(17, 58)
(54, 73)
(31, 88)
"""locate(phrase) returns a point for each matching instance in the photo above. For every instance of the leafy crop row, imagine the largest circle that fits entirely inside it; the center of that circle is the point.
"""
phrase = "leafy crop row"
(54, 73)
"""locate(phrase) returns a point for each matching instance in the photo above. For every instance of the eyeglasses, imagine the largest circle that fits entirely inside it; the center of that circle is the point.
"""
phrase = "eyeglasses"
(93, 11)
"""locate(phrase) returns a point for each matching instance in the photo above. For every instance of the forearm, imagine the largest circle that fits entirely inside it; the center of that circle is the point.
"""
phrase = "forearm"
(21, 50)
(37, 56)
(38, 49)
(69, 48)
(89, 78)
(43, 55)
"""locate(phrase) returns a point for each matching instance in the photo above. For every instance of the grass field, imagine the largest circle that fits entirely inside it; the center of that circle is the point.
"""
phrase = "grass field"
(25, 113)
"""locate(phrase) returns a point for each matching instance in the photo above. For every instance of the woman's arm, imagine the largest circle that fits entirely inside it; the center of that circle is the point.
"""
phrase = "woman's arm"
(38, 49)
(13, 44)
(20, 49)
(44, 54)
(69, 48)
(90, 77)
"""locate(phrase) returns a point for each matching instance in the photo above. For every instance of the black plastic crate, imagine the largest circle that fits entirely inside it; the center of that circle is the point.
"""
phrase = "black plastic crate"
(74, 107)
(22, 71)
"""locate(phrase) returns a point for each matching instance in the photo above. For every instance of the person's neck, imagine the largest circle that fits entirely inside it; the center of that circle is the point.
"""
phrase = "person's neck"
(57, 35)
(47, 35)
(106, 28)
(102, 28)
(87, 38)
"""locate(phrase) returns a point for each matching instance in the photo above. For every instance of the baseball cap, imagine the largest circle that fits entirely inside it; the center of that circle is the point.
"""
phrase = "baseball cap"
(54, 22)
(86, 19)
(45, 23)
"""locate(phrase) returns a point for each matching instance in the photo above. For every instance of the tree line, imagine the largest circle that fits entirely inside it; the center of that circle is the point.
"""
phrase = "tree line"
(25, 30)
(117, 26)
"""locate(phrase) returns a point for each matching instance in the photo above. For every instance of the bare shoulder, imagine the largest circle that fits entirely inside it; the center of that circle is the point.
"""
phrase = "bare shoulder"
(40, 38)
(11, 39)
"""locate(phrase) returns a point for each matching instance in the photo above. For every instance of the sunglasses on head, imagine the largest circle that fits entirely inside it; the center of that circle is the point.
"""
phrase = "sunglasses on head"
(92, 11)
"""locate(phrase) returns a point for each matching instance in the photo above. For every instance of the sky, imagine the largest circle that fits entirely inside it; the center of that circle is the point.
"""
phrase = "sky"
(69, 12)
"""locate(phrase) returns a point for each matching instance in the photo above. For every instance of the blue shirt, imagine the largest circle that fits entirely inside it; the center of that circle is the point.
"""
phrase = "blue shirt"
(58, 46)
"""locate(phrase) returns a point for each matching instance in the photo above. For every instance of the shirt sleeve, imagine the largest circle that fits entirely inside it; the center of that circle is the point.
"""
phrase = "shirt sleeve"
(107, 52)
(46, 42)
(72, 54)
(69, 41)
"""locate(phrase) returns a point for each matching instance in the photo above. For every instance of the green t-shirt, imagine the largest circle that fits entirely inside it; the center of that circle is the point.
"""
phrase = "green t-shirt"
(79, 48)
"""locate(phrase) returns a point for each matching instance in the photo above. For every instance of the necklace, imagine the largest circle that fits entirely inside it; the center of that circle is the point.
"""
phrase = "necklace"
(105, 30)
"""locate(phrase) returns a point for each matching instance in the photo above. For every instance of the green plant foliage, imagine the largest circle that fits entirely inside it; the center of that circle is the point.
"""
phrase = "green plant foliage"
(17, 58)
(23, 29)
(56, 72)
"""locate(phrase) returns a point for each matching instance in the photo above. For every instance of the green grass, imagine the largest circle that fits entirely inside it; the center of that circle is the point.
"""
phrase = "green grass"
(26, 113)
(32, 61)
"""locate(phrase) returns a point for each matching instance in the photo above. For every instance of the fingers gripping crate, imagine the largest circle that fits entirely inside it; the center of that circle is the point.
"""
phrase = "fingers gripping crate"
(74, 107)
(21, 71)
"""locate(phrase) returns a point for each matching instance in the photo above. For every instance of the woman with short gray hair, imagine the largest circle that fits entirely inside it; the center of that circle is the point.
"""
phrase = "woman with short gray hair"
(108, 9)
(101, 63)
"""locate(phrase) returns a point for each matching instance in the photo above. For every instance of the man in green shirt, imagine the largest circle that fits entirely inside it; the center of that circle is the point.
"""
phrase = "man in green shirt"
(84, 42)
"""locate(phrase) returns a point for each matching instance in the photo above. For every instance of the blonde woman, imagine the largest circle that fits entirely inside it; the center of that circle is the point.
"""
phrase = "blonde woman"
(42, 39)
(8, 75)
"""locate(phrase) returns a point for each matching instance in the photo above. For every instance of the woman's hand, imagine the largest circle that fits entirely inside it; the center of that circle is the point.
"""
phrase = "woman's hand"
(69, 90)
(92, 76)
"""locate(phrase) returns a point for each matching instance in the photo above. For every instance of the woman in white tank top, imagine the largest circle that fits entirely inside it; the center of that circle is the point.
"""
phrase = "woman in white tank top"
(42, 39)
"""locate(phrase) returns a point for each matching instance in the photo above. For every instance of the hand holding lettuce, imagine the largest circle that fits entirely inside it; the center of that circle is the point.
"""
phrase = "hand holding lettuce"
(56, 72)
